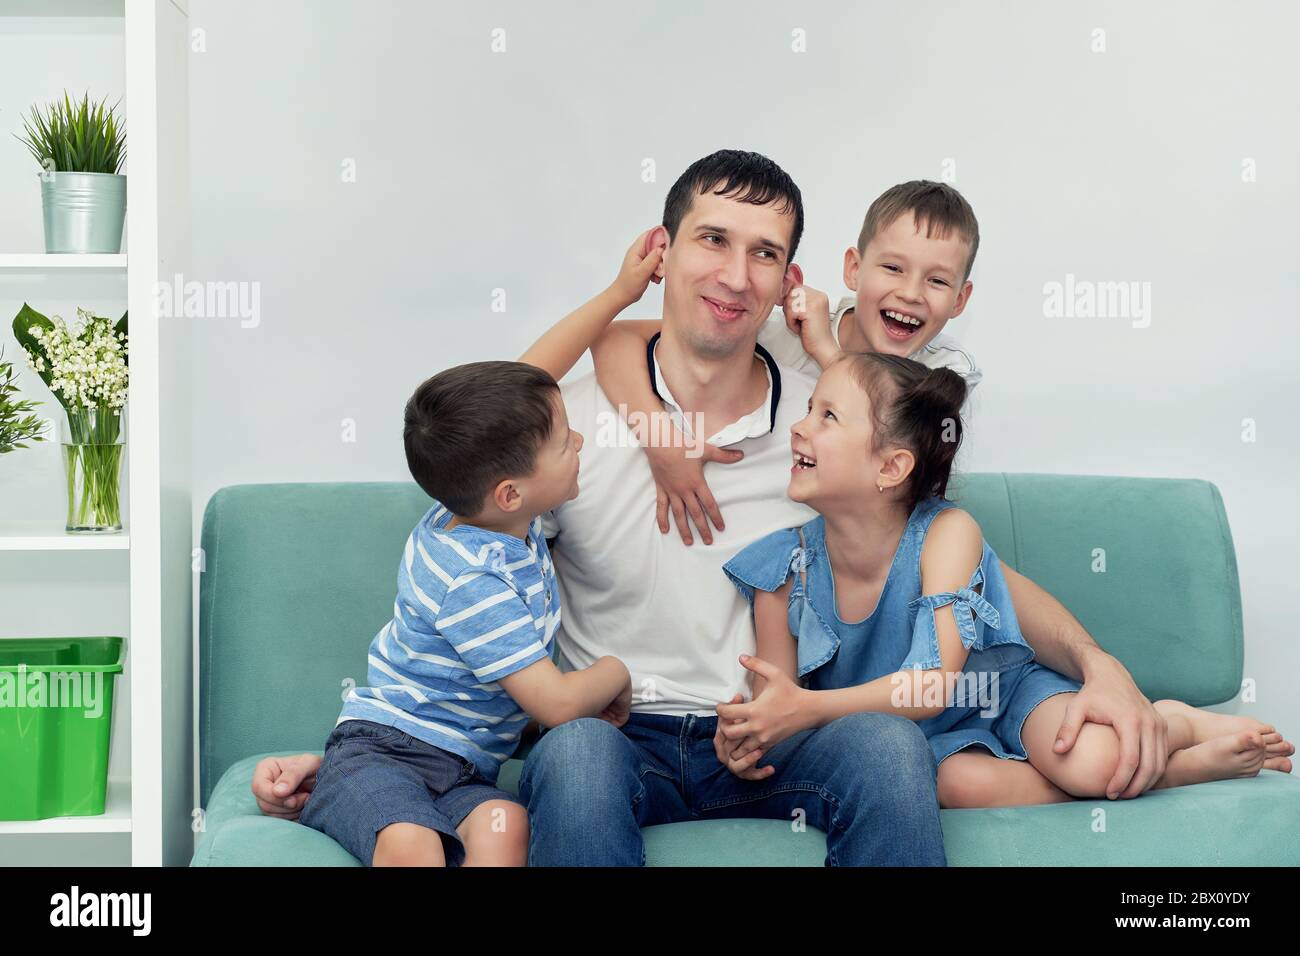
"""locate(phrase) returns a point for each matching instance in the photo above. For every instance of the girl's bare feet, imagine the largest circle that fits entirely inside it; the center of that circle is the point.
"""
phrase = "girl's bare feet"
(1240, 754)
(1206, 726)
(1276, 752)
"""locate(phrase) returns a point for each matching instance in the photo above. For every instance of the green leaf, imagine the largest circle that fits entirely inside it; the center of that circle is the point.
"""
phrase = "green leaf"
(25, 319)
(76, 136)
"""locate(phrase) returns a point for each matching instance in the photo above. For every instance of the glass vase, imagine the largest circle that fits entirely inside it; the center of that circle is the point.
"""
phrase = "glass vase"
(92, 464)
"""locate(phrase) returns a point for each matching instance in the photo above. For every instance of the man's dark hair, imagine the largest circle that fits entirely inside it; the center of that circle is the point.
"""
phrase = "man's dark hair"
(739, 175)
(471, 426)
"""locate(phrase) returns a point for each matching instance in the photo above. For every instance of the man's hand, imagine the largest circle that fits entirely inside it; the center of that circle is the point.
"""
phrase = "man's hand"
(776, 714)
(282, 784)
(616, 712)
(639, 265)
(1109, 696)
(681, 488)
(808, 315)
(743, 768)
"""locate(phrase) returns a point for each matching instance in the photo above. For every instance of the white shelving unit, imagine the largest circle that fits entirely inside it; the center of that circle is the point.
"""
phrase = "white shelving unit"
(116, 817)
(50, 535)
(154, 803)
(38, 262)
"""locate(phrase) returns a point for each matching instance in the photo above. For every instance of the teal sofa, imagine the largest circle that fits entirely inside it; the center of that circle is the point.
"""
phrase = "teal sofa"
(299, 577)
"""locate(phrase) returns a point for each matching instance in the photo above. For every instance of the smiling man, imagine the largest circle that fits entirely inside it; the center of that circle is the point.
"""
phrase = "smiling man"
(730, 231)
(731, 228)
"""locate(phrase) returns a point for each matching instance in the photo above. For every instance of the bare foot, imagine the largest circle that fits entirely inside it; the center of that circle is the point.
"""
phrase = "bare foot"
(1207, 726)
(1241, 754)
(1276, 752)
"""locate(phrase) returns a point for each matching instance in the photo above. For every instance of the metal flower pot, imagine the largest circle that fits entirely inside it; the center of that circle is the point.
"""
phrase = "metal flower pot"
(84, 212)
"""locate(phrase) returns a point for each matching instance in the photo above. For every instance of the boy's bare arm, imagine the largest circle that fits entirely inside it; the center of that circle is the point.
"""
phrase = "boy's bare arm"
(560, 347)
(678, 467)
(554, 697)
(808, 315)
(619, 357)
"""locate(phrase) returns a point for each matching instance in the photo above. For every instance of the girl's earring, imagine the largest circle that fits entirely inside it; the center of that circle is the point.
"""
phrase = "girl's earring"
(880, 488)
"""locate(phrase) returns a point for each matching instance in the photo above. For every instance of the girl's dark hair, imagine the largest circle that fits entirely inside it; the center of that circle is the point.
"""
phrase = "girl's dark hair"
(913, 407)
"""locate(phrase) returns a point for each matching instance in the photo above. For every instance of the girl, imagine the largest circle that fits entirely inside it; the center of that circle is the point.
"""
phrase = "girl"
(891, 601)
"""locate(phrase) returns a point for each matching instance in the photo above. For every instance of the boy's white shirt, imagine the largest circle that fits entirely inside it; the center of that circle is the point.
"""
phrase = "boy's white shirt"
(943, 351)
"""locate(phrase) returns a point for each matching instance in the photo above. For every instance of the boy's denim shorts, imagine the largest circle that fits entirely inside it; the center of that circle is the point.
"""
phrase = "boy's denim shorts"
(373, 775)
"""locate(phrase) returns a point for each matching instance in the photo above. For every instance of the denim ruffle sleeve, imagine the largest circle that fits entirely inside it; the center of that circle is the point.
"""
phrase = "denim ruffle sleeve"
(980, 623)
(766, 564)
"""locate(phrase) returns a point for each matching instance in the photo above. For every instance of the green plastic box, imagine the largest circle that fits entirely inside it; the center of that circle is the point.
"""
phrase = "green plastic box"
(56, 711)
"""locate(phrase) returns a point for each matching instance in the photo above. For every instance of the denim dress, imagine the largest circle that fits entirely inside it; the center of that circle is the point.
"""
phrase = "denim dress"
(1000, 683)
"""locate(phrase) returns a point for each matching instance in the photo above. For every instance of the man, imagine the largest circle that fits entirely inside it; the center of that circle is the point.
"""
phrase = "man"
(731, 227)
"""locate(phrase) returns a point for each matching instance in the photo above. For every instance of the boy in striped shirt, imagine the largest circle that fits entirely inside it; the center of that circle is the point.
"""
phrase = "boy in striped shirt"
(409, 772)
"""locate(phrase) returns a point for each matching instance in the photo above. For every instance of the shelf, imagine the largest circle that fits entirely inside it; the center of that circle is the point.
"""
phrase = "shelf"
(51, 536)
(62, 8)
(43, 262)
(116, 817)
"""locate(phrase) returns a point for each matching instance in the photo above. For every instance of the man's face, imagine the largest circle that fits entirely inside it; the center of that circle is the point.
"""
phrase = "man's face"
(909, 285)
(724, 272)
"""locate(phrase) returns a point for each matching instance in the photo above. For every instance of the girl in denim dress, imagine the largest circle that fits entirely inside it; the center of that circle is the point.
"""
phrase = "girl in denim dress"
(891, 600)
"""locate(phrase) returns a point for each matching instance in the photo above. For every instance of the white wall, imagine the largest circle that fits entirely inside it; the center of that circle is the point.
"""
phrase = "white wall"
(522, 171)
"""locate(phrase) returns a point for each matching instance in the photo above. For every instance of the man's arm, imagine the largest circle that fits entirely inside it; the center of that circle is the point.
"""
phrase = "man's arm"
(1058, 639)
(1109, 695)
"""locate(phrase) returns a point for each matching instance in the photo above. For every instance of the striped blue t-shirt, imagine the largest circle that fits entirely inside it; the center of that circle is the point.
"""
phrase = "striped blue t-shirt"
(473, 606)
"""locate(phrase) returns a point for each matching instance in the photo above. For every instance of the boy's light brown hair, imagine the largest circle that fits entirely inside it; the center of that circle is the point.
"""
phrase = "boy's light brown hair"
(936, 207)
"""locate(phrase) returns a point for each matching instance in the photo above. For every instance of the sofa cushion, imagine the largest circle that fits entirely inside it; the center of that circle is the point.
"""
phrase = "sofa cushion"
(298, 578)
(1247, 822)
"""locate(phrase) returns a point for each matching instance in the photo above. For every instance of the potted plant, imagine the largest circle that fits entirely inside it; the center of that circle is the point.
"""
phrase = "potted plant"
(17, 424)
(86, 369)
(80, 148)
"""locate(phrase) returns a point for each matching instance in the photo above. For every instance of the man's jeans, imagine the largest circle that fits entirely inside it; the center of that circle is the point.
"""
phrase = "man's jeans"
(866, 780)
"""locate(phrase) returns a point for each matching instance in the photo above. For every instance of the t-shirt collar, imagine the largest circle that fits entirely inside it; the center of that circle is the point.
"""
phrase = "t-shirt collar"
(759, 422)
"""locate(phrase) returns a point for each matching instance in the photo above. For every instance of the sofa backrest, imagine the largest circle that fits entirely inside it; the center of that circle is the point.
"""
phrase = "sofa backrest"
(298, 578)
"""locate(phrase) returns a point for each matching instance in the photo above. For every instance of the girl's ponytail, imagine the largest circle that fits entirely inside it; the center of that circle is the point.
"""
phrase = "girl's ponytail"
(918, 408)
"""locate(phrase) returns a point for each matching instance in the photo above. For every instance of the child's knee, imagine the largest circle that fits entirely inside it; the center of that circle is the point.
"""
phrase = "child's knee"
(408, 844)
(1086, 769)
(496, 832)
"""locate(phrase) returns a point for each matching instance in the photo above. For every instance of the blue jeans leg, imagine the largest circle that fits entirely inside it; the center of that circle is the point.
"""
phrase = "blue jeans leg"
(589, 790)
(866, 780)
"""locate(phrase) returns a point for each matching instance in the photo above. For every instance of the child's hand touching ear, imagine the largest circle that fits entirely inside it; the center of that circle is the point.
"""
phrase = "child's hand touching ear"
(808, 315)
(639, 265)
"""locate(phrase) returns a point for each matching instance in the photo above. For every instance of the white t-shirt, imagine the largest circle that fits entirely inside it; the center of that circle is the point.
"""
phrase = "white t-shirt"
(667, 610)
(943, 351)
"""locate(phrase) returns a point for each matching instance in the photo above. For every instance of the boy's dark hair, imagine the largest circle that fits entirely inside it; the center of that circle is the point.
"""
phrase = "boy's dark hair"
(471, 426)
(936, 207)
(913, 407)
(739, 175)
